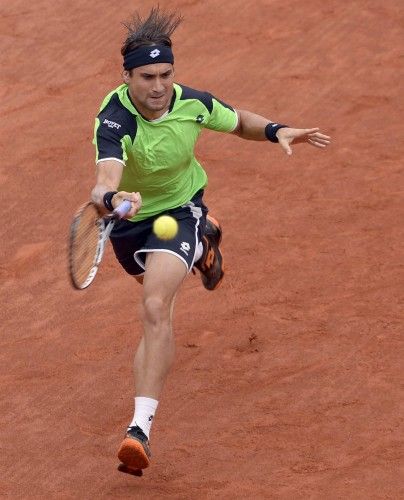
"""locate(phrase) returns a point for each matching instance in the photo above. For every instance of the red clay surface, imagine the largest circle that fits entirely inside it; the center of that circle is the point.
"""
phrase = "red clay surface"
(287, 379)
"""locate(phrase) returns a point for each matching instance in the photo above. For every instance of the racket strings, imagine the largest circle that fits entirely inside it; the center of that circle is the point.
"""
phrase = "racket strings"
(84, 243)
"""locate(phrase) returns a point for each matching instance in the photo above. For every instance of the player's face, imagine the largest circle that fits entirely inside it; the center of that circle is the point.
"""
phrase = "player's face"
(151, 88)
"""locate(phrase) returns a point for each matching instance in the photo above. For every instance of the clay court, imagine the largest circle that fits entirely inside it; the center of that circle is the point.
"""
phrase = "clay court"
(288, 379)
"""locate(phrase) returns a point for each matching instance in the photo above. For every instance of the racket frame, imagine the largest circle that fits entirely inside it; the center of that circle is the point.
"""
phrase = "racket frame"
(105, 225)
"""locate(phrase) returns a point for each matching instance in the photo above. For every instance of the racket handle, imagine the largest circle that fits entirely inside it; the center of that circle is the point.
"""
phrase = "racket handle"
(122, 209)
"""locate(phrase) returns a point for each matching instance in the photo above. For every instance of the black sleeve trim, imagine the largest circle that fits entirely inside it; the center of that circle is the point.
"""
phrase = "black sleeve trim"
(224, 104)
(205, 98)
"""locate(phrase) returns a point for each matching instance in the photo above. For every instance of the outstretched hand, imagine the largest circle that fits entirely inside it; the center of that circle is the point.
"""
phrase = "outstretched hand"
(134, 198)
(286, 136)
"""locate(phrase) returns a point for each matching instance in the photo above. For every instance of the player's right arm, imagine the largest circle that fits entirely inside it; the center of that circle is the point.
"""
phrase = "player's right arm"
(109, 173)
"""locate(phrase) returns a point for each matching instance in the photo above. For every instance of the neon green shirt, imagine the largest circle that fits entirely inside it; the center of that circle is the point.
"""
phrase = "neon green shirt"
(158, 155)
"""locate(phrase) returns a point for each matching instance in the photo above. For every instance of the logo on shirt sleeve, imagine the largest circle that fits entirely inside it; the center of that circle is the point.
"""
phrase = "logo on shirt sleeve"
(111, 124)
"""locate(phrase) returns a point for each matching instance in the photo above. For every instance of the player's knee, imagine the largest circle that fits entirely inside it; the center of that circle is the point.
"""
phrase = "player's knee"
(156, 310)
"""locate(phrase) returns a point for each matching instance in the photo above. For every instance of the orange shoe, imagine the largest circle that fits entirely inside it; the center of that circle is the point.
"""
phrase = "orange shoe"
(134, 452)
(210, 264)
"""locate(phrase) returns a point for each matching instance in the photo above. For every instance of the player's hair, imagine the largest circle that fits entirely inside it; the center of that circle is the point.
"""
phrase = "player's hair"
(155, 30)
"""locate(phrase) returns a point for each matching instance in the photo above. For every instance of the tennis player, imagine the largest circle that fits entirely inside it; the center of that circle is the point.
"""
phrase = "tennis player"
(145, 135)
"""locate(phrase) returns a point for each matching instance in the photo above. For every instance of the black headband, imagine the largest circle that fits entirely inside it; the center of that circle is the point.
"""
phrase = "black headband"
(148, 54)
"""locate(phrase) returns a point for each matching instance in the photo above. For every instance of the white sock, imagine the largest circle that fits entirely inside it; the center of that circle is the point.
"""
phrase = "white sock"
(145, 408)
(199, 252)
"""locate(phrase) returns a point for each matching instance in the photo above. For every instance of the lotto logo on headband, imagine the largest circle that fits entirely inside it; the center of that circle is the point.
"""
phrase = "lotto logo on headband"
(154, 53)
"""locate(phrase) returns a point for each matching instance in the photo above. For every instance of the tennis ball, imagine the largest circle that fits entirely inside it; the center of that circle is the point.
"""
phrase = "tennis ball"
(165, 227)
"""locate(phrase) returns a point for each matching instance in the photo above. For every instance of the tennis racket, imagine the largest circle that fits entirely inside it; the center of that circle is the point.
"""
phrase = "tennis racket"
(89, 233)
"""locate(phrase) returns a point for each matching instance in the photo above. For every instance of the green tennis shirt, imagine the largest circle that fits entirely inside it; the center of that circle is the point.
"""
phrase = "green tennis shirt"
(158, 156)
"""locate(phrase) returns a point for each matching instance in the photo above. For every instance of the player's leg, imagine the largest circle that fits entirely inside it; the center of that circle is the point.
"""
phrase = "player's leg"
(155, 355)
(163, 277)
(140, 356)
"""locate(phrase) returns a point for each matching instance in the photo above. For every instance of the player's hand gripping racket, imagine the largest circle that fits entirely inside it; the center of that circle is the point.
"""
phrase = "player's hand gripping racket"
(89, 234)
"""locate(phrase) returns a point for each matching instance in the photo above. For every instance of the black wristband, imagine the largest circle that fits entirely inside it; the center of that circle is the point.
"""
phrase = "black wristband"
(107, 200)
(271, 129)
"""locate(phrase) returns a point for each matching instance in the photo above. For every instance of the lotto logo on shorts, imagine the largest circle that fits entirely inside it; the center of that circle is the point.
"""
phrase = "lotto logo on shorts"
(185, 247)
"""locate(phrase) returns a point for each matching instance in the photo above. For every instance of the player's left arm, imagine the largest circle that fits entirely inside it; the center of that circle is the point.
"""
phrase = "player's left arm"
(257, 128)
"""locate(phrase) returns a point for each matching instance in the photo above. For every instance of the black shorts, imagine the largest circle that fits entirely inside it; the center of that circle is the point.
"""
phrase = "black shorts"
(133, 240)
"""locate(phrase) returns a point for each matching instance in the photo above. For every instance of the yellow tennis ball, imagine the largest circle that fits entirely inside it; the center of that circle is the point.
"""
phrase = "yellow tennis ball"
(165, 227)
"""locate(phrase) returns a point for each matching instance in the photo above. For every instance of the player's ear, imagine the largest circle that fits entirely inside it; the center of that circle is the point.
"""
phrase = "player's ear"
(125, 76)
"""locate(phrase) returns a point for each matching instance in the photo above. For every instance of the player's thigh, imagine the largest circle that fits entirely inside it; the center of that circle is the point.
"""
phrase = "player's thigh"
(163, 276)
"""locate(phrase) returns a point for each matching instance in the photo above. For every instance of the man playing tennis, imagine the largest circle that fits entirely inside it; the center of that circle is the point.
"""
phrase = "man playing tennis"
(145, 136)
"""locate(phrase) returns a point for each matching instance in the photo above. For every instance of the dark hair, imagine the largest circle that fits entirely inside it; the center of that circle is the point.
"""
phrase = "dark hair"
(155, 30)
